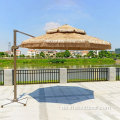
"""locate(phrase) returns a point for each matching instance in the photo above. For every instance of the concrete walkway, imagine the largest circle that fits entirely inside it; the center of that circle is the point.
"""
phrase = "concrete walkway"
(71, 101)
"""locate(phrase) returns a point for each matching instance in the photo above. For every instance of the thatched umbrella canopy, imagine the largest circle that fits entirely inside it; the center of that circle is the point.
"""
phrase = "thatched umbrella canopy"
(66, 38)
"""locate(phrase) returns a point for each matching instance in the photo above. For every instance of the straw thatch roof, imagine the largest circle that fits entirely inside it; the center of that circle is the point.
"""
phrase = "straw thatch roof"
(66, 37)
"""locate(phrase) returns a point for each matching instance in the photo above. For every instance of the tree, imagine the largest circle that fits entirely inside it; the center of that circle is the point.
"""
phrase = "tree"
(91, 54)
(118, 56)
(37, 55)
(114, 56)
(22, 55)
(78, 56)
(60, 54)
(42, 54)
(104, 54)
(12, 55)
(67, 53)
(2, 54)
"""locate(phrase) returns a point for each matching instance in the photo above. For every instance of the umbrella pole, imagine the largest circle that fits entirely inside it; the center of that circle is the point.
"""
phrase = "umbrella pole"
(15, 86)
(14, 48)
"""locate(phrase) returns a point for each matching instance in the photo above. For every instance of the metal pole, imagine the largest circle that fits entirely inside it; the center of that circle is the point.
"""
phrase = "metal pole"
(15, 86)
(14, 48)
(15, 58)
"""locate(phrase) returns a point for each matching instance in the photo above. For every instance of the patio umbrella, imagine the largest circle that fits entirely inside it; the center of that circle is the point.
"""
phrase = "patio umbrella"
(66, 38)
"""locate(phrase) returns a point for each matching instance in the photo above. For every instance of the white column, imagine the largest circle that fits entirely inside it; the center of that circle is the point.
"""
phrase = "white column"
(8, 77)
(63, 75)
(111, 74)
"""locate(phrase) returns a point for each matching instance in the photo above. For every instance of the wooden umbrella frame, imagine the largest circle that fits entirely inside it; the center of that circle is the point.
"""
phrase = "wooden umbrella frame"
(14, 48)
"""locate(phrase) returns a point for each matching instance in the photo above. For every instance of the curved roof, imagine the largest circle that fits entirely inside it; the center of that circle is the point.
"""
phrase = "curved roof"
(66, 37)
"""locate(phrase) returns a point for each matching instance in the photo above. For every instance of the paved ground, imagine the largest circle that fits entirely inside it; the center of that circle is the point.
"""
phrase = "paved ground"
(72, 101)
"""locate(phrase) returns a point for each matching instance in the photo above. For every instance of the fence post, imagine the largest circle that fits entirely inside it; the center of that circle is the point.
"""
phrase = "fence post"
(8, 77)
(111, 74)
(63, 75)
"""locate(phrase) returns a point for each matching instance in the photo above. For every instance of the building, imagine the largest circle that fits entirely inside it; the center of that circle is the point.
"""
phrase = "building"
(74, 53)
(50, 53)
(97, 52)
(9, 53)
(112, 52)
(18, 52)
(83, 53)
(37, 52)
(79, 52)
(117, 50)
(32, 52)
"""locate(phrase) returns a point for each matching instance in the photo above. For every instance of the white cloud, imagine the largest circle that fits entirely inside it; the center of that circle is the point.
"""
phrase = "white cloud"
(51, 25)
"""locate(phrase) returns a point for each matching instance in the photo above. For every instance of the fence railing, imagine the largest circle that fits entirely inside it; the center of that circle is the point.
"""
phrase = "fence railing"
(37, 76)
(62, 75)
(87, 74)
(117, 73)
(1, 77)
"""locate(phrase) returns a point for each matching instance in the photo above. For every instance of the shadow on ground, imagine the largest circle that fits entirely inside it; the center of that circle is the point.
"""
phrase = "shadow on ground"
(62, 94)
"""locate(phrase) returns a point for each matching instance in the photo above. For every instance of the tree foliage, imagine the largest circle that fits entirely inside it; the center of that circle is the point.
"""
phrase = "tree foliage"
(60, 54)
(22, 55)
(91, 54)
(42, 55)
(3, 54)
(67, 54)
(57, 60)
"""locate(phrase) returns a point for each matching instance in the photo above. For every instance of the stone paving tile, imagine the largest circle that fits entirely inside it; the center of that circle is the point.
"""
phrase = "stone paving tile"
(64, 101)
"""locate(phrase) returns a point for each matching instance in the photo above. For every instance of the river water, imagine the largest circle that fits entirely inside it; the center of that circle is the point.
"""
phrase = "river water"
(57, 66)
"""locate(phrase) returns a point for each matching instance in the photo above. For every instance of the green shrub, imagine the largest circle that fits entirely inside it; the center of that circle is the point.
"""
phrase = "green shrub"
(57, 60)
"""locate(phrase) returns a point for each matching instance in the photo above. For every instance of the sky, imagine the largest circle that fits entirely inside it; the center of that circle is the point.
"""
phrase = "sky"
(99, 18)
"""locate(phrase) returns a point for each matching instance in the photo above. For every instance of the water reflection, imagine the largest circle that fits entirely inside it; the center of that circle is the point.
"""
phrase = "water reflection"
(57, 66)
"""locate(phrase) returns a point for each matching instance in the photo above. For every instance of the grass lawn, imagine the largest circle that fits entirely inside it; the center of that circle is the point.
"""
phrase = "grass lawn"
(1, 83)
(46, 62)
(37, 82)
(85, 80)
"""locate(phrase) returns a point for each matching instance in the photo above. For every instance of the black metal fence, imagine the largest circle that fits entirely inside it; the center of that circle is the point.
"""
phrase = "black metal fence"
(37, 76)
(53, 75)
(87, 74)
(117, 73)
(1, 77)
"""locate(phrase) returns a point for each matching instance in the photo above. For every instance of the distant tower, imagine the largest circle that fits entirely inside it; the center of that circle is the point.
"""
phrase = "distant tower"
(9, 47)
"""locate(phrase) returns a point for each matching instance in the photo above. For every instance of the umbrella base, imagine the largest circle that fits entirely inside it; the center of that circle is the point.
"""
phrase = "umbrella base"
(15, 100)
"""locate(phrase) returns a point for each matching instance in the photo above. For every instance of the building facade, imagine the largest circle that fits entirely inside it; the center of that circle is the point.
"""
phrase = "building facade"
(51, 53)
(32, 53)
(18, 52)
(79, 52)
(117, 50)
